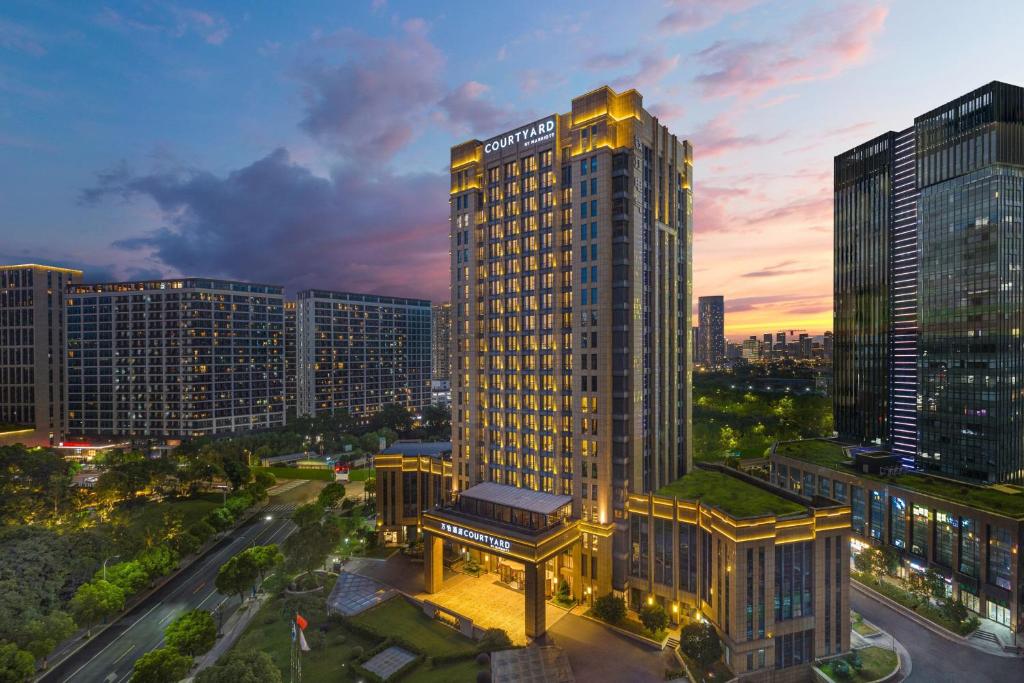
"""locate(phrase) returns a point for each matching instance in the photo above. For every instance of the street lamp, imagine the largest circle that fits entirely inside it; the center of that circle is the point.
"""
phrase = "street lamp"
(112, 557)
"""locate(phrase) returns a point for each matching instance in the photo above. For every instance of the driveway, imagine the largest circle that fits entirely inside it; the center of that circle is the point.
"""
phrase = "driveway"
(599, 654)
(935, 659)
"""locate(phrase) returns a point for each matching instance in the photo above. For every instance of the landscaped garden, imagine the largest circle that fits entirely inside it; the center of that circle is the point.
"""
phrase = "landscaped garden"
(861, 666)
(339, 646)
(860, 626)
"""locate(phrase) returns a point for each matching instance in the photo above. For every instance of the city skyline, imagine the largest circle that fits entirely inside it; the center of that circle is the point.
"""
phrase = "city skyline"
(171, 184)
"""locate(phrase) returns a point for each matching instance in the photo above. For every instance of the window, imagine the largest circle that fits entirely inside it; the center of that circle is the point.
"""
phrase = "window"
(945, 531)
(688, 557)
(970, 545)
(663, 546)
(593, 186)
(857, 509)
(898, 522)
(919, 531)
(638, 546)
(877, 520)
(794, 580)
(593, 208)
(583, 167)
(583, 210)
(583, 188)
(593, 164)
(593, 231)
(839, 491)
(1000, 557)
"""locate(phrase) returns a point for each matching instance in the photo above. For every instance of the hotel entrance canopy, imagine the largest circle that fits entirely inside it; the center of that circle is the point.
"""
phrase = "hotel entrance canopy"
(530, 526)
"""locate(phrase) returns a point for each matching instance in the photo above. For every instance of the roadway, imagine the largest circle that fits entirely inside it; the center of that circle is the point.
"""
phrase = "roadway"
(110, 656)
(935, 659)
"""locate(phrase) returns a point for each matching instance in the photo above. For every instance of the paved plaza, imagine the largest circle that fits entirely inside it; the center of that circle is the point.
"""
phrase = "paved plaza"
(544, 664)
(387, 663)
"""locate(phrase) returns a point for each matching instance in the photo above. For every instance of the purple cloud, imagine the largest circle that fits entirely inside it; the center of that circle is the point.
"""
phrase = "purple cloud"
(275, 221)
(695, 15)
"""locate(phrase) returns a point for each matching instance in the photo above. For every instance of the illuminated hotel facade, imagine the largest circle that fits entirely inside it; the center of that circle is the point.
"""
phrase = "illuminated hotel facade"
(570, 264)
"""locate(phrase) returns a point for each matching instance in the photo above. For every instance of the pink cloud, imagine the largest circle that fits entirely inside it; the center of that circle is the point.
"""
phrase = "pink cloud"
(819, 46)
(695, 15)
(719, 136)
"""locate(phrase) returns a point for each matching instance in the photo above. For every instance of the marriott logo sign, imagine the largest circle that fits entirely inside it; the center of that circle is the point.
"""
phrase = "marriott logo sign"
(520, 138)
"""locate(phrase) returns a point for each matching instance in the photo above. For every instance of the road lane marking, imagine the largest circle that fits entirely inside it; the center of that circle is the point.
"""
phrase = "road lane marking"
(199, 587)
(124, 654)
(274, 529)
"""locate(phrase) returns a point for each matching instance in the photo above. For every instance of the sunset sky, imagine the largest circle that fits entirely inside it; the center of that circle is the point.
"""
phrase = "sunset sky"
(306, 143)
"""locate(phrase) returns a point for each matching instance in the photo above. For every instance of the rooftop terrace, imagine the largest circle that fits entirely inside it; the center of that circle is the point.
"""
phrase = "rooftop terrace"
(731, 494)
(1005, 500)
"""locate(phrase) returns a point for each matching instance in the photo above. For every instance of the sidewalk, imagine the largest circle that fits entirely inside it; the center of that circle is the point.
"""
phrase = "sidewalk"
(982, 644)
(233, 628)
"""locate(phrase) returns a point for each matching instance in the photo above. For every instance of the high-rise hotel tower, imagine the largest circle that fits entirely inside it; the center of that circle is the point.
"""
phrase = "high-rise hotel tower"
(571, 282)
(928, 355)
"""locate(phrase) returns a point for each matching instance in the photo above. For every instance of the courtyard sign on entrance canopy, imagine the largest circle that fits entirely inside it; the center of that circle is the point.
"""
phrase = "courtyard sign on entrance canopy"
(479, 537)
(527, 136)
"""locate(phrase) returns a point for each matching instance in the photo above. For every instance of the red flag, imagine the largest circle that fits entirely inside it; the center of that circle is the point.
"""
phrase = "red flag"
(300, 621)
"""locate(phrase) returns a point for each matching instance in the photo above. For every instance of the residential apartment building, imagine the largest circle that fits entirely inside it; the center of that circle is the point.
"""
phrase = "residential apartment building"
(926, 347)
(711, 321)
(290, 358)
(360, 352)
(570, 248)
(441, 342)
(32, 348)
(166, 359)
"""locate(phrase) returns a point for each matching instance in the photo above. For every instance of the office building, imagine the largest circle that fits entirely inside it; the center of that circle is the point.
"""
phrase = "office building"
(32, 349)
(968, 533)
(711, 320)
(290, 359)
(751, 349)
(441, 342)
(570, 244)
(166, 359)
(927, 223)
(360, 352)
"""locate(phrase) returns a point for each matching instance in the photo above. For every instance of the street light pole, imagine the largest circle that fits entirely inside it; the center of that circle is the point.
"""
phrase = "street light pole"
(112, 557)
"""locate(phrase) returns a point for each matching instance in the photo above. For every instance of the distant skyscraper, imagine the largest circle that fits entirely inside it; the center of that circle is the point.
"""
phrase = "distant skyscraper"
(290, 353)
(711, 320)
(360, 352)
(766, 346)
(751, 349)
(32, 346)
(928, 227)
(441, 342)
(174, 358)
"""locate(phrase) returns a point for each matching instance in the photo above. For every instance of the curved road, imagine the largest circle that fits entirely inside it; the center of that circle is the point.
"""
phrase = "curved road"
(935, 659)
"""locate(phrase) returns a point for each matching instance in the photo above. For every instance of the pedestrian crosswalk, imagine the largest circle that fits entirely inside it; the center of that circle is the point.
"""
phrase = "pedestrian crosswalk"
(280, 508)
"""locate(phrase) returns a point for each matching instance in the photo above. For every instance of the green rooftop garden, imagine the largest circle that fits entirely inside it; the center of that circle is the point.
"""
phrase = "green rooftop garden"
(730, 494)
(830, 454)
(981, 497)
(816, 451)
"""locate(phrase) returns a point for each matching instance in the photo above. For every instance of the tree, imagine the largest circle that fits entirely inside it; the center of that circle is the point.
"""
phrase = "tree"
(247, 666)
(264, 479)
(308, 514)
(610, 608)
(192, 633)
(437, 420)
(163, 665)
(863, 561)
(129, 576)
(370, 489)
(41, 635)
(654, 618)
(700, 642)
(936, 584)
(95, 601)
(237, 575)
(265, 558)
(889, 560)
(309, 547)
(331, 495)
(955, 610)
(393, 416)
(16, 665)
(564, 594)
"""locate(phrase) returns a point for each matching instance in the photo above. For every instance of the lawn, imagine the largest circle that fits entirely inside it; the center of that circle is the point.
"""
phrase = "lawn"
(732, 495)
(631, 625)
(815, 451)
(396, 617)
(270, 632)
(360, 474)
(876, 662)
(858, 625)
(456, 672)
(296, 473)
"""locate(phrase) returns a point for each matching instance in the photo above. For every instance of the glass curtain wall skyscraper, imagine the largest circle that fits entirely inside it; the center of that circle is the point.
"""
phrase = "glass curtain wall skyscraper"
(928, 224)
(711, 322)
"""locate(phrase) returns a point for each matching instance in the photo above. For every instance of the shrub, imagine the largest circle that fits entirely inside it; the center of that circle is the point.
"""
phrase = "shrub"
(357, 652)
(840, 668)
(654, 618)
(192, 633)
(494, 639)
(202, 530)
(483, 659)
(700, 642)
(854, 661)
(610, 608)
(564, 595)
